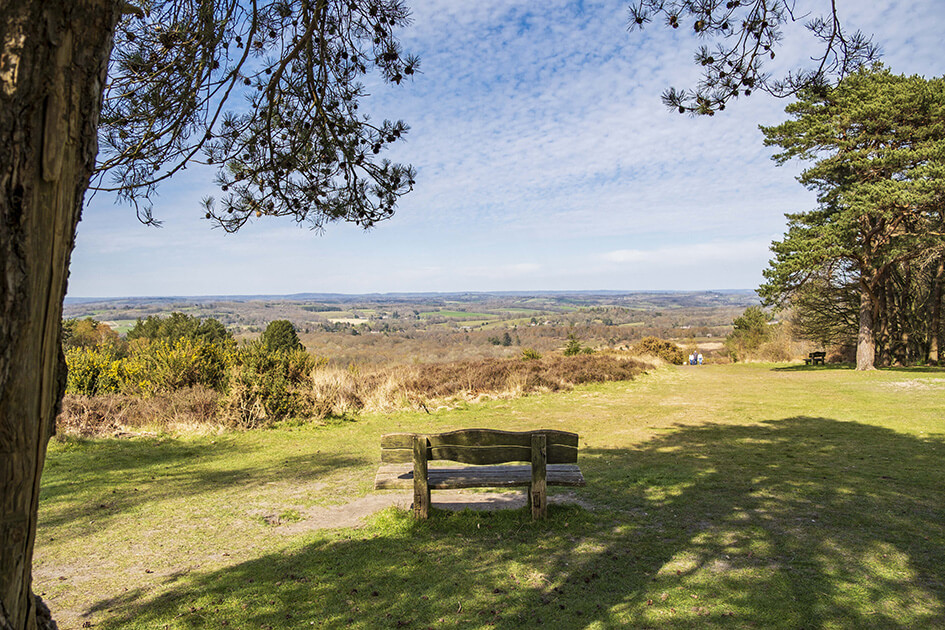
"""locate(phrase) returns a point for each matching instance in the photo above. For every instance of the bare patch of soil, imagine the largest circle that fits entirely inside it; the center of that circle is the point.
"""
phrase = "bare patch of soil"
(353, 513)
(917, 384)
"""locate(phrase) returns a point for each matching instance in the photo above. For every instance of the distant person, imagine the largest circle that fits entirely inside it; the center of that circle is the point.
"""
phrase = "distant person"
(699, 358)
(692, 358)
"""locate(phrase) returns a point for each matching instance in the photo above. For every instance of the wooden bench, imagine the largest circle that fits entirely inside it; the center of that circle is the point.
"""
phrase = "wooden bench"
(815, 358)
(552, 457)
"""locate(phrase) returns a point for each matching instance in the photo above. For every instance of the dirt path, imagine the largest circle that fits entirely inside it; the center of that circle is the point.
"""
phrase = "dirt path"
(353, 513)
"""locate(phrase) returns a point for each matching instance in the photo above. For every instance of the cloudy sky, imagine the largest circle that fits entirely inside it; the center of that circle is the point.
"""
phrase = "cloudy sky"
(545, 162)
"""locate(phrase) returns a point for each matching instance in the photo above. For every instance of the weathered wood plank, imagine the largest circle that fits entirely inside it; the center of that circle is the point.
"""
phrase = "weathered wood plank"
(400, 476)
(481, 455)
(482, 437)
(537, 490)
(421, 486)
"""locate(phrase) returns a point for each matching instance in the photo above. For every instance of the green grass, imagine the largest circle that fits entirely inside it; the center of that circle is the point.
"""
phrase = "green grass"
(457, 315)
(744, 496)
(122, 326)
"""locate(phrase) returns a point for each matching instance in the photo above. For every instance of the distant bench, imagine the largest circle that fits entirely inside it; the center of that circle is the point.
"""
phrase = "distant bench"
(552, 457)
(815, 358)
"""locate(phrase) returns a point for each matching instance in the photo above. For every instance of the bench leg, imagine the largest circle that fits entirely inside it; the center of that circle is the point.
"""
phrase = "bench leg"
(421, 485)
(538, 490)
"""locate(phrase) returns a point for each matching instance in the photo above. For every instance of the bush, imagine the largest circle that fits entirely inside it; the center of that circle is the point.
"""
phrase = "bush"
(261, 387)
(268, 386)
(94, 371)
(666, 350)
(530, 354)
(114, 413)
(160, 366)
(155, 366)
(778, 345)
(574, 347)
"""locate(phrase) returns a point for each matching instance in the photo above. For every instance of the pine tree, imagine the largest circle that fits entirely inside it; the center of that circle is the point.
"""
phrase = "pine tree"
(280, 336)
(877, 141)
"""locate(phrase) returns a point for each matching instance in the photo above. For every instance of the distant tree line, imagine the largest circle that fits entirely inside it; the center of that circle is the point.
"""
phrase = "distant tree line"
(179, 326)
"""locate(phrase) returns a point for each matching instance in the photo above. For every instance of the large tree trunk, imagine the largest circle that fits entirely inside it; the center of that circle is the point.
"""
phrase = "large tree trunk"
(935, 323)
(865, 340)
(883, 319)
(53, 60)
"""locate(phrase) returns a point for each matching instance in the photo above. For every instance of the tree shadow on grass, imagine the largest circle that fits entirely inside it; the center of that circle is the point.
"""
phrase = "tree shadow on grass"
(804, 367)
(127, 474)
(916, 369)
(911, 369)
(795, 523)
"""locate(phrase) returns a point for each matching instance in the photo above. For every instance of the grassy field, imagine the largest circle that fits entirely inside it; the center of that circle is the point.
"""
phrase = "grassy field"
(457, 314)
(730, 496)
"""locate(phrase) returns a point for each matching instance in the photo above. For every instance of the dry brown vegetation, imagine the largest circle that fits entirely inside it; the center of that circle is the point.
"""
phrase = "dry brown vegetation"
(117, 413)
(332, 391)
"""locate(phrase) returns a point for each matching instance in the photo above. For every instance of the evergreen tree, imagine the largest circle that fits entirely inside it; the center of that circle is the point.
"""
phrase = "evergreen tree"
(750, 331)
(280, 336)
(179, 326)
(877, 141)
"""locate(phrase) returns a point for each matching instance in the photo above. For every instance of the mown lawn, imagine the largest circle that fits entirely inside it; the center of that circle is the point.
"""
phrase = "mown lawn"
(745, 496)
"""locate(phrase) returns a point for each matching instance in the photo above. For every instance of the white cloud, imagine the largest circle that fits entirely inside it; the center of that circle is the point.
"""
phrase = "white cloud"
(540, 142)
(685, 254)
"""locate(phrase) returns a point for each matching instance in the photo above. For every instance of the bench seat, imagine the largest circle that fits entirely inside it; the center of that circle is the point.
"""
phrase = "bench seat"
(393, 476)
(484, 456)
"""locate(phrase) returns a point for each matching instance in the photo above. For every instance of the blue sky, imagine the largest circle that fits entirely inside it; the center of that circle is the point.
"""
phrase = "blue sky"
(545, 162)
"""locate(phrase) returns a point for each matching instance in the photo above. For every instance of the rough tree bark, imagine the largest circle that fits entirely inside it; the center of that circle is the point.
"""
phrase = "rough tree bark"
(865, 340)
(935, 323)
(53, 60)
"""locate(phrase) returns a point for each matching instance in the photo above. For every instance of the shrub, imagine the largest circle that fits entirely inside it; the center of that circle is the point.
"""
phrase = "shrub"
(268, 386)
(160, 366)
(778, 345)
(155, 366)
(530, 354)
(335, 392)
(94, 370)
(574, 346)
(666, 350)
(511, 376)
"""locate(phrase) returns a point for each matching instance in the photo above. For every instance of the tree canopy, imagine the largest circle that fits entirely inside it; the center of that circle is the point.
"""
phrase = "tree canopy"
(180, 326)
(87, 333)
(280, 336)
(877, 143)
(266, 92)
(745, 35)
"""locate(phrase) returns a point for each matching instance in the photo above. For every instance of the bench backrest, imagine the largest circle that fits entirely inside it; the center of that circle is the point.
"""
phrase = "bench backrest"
(818, 355)
(481, 446)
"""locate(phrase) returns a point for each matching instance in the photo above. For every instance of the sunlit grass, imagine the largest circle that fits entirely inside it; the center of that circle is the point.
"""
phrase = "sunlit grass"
(723, 496)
